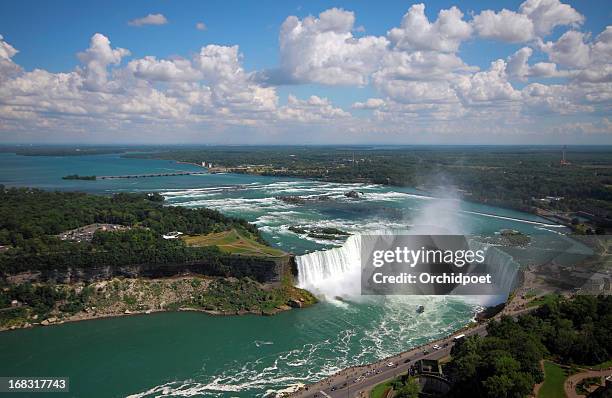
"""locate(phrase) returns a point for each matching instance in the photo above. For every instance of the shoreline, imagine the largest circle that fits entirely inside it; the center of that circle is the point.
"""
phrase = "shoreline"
(181, 162)
(173, 297)
(84, 317)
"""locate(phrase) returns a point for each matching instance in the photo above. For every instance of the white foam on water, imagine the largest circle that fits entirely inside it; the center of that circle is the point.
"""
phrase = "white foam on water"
(391, 196)
(550, 230)
(279, 217)
(386, 326)
(236, 205)
(216, 188)
(514, 219)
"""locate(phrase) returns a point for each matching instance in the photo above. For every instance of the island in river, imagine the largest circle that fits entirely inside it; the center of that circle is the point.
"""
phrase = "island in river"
(71, 256)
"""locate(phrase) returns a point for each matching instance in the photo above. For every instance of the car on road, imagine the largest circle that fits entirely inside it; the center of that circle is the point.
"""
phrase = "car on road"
(390, 364)
(436, 347)
(458, 338)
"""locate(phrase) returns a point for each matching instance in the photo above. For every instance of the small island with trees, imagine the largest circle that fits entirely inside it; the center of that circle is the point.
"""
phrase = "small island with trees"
(79, 177)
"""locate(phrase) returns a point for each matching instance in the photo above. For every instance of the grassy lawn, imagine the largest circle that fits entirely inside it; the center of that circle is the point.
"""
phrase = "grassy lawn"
(381, 390)
(233, 242)
(554, 376)
(542, 300)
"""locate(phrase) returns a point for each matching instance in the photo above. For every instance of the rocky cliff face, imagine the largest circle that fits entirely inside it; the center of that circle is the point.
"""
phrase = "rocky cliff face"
(262, 269)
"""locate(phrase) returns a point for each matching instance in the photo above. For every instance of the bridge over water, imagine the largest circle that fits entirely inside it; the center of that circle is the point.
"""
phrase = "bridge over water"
(183, 173)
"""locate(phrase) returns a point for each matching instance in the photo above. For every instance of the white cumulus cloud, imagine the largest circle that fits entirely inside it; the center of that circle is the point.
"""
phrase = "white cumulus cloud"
(570, 50)
(97, 58)
(535, 19)
(324, 50)
(518, 67)
(151, 19)
(417, 33)
(506, 26)
(547, 14)
(150, 68)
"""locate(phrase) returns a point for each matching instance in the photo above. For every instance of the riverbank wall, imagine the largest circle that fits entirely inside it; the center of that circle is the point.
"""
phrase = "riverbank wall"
(269, 270)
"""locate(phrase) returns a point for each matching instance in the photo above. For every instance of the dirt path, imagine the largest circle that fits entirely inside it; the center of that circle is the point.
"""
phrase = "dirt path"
(536, 388)
(573, 380)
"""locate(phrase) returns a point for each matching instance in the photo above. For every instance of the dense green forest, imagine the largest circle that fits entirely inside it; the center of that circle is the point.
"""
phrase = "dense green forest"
(506, 176)
(505, 363)
(30, 221)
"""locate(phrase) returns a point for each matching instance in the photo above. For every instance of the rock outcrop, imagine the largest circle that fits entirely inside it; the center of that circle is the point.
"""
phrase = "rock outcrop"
(353, 194)
(262, 269)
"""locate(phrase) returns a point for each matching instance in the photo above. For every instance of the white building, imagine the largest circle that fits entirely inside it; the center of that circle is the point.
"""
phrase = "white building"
(172, 235)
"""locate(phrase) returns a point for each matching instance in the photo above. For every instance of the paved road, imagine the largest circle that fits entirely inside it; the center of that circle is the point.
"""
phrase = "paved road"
(356, 381)
(572, 381)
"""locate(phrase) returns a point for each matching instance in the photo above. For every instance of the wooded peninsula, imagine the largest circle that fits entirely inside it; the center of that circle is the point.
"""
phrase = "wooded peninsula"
(62, 253)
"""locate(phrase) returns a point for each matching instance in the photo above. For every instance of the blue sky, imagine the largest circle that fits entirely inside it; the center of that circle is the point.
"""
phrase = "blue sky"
(49, 35)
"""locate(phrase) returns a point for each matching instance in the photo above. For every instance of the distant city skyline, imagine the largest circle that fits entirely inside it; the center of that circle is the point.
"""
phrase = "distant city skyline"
(316, 72)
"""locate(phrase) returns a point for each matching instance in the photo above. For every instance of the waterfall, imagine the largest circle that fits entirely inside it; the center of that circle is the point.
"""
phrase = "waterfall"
(503, 267)
(337, 272)
(333, 272)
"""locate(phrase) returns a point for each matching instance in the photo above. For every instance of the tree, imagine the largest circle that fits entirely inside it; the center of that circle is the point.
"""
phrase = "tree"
(509, 385)
(409, 390)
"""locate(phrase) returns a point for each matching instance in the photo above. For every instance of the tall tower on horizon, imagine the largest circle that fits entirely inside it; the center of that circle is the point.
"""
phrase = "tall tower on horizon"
(564, 161)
